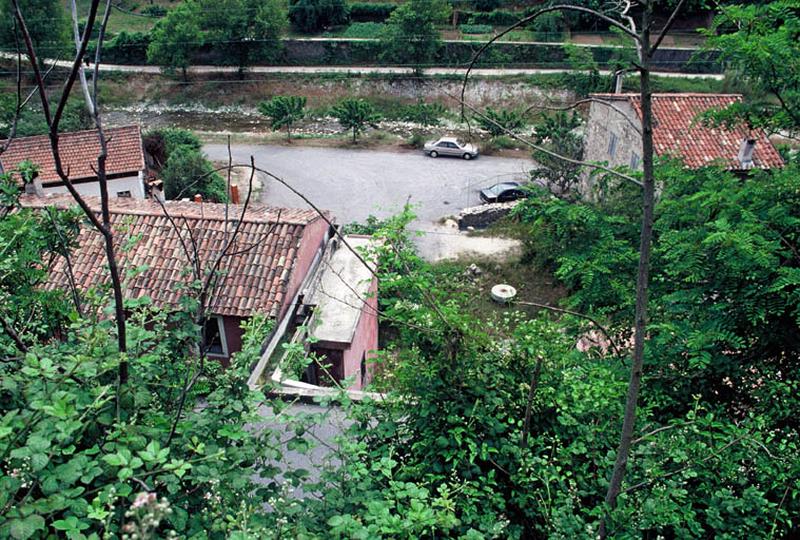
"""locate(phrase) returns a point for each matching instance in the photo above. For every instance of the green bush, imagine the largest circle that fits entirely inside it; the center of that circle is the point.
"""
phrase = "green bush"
(187, 172)
(476, 28)
(364, 30)
(427, 114)
(369, 12)
(124, 48)
(177, 137)
(154, 10)
(496, 122)
(498, 17)
(416, 140)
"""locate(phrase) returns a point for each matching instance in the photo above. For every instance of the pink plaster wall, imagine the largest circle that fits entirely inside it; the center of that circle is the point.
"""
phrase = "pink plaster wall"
(365, 340)
(311, 241)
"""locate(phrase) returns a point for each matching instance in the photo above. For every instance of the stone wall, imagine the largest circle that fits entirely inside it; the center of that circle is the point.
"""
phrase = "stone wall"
(606, 124)
(479, 217)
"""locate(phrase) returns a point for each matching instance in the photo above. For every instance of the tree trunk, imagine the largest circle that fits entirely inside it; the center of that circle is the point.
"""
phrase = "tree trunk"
(646, 236)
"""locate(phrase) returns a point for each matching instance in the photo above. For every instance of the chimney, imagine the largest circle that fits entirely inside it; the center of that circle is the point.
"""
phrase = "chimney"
(618, 75)
(746, 150)
(235, 194)
(34, 187)
(198, 198)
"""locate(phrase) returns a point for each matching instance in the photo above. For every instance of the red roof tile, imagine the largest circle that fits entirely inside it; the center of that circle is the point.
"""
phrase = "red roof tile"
(678, 131)
(253, 280)
(79, 150)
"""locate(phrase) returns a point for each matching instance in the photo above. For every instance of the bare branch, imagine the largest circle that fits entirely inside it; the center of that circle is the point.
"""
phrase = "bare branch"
(659, 430)
(94, 112)
(526, 426)
(667, 26)
(8, 329)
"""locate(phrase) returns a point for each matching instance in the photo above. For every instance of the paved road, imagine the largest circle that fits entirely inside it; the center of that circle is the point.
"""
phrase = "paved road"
(356, 183)
(479, 72)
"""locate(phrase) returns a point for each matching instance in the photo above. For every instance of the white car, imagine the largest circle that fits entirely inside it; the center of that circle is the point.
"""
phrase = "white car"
(450, 146)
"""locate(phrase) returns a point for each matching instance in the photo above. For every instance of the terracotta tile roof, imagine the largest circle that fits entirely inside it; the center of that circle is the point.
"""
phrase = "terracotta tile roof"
(677, 131)
(254, 279)
(79, 151)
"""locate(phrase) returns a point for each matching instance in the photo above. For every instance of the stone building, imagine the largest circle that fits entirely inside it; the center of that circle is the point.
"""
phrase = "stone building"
(613, 133)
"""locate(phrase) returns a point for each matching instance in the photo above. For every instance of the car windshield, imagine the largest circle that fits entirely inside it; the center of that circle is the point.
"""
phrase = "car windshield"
(460, 143)
(497, 189)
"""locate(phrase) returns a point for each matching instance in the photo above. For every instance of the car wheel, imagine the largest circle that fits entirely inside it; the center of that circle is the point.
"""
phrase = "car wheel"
(467, 156)
(434, 154)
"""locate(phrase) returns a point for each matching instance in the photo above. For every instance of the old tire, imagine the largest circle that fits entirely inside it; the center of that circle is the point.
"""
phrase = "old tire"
(467, 156)
(434, 154)
(503, 294)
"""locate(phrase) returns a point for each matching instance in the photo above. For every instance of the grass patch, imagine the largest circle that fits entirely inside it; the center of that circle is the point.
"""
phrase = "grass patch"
(125, 14)
(532, 285)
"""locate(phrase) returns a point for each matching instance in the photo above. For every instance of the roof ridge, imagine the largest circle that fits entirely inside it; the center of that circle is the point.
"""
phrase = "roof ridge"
(665, 94)
(61, 134)
(256, 213)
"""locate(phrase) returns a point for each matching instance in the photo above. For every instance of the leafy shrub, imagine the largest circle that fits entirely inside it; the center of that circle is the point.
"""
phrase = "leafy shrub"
(494, 121)
(176, 137)
(283, 111)
(364, 30)
(427, 114)
(476, 28)
(356, 115)
(154, 10)
(187, 172)
(369, 12)
(416, 140)
(498, 17)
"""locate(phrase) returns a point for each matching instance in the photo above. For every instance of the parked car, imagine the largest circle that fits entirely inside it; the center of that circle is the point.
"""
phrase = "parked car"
(503, 192)
(450, 146)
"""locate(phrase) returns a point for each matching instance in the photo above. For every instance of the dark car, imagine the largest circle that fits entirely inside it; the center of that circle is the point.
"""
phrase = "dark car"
(503, 192)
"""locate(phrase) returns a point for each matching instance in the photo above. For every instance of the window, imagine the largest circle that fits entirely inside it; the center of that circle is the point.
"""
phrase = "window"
(126, 194)
(635, 160)
(363, 370)
(215, 337)
(612, 145)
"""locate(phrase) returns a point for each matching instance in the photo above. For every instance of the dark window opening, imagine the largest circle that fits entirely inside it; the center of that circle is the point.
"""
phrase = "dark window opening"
(124, 194)
(612, 145)
(363, 370)
(214, 341)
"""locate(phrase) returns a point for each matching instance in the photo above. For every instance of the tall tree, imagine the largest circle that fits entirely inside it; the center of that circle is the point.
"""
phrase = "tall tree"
(311, 16)
(356, 115)
(760, 44)
(176, 38)
(411, 36)
(557, 133)
(244, 32)
(47, 22)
